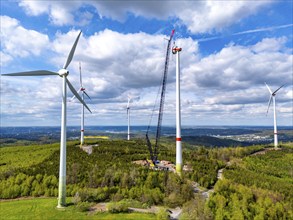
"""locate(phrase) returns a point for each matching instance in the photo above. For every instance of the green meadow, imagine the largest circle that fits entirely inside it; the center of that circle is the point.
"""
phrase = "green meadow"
(45, 208)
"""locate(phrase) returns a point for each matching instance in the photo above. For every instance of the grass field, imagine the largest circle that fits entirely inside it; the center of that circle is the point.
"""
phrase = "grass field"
(45, 208)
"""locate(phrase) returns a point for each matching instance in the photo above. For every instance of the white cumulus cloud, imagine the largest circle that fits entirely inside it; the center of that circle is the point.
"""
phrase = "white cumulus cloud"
(197, 16)
(16, 41)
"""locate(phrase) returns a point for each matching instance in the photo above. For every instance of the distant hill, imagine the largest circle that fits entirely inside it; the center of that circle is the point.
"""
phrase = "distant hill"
(217, 136)
(209, 141)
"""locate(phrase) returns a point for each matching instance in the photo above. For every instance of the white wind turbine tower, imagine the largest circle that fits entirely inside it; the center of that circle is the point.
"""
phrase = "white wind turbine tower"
(179, 164)
(128, 118)
(63, 73)
(272, 97)
(83, 92)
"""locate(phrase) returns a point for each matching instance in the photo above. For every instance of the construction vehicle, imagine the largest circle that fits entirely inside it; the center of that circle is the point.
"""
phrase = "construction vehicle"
(154, 150)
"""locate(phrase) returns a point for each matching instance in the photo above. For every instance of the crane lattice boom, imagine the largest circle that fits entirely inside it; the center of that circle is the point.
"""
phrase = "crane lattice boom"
(154, 153)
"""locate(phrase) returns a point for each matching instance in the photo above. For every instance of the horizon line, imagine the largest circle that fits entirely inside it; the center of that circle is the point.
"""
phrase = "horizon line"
(173, 126)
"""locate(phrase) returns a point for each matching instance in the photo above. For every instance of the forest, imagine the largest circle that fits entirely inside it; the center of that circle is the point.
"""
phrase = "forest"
(254, 186)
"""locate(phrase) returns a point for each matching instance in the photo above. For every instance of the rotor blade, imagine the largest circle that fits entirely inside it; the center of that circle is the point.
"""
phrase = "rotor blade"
(87, 95)
(269, 103)
(80, 80)
(278, 89)
(71, 52)
(32, 73)
(73, 97)
(269, 89)
(128, 101)
(76, 94)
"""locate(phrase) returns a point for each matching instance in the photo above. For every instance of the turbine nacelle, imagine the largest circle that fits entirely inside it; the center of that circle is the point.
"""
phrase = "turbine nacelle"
(63, 72)
(176, 49)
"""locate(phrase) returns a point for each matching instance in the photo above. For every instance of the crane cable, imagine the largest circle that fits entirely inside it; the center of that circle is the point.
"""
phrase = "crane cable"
(159, 91)
(155, 105)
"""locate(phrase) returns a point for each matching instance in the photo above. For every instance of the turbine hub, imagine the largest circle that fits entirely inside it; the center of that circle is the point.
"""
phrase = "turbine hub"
(63, 72)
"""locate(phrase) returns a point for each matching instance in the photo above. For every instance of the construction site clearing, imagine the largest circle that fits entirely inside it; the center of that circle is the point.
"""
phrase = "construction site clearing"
(161, 165)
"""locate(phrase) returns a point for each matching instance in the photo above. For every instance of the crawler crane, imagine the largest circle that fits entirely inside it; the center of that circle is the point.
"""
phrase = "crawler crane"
(154, 150)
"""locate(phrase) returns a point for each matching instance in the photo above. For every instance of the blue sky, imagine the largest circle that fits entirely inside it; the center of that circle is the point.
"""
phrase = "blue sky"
(229, 49)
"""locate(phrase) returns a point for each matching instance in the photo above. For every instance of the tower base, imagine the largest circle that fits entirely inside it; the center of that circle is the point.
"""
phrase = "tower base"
(178, 168)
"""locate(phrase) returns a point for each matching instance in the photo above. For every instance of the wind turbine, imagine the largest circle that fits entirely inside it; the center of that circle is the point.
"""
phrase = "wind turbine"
(83, 92)
(63, 73)
(272, 97)
(128, 117)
